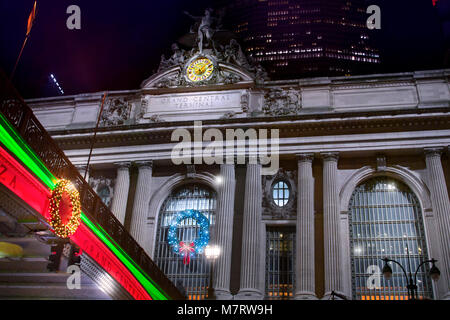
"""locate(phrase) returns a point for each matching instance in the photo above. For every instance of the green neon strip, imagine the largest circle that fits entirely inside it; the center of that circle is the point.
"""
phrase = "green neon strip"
(15, 143)
(129, 263)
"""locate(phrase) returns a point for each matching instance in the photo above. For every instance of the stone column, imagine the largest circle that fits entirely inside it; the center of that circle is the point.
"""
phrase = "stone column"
(441, 208)
(304, 260)
(224, 232)
(121, 189)
(141, 202)
(333, 272)
(249, 284)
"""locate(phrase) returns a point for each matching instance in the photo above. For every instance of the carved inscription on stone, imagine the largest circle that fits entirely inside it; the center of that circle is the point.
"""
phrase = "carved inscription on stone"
(201, 102)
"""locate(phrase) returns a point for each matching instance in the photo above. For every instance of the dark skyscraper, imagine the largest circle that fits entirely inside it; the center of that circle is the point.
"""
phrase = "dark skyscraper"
(299, 38)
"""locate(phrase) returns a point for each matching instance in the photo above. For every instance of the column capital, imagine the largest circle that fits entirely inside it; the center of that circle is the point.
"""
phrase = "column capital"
(252, 160)
(305, 157)
(330, 156)
(223, 165)
(123, 165)
(144, 164)
(433, 152)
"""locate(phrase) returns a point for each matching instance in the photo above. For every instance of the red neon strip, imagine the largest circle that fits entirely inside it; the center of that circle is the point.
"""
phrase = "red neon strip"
(91, 245)
(23, 184)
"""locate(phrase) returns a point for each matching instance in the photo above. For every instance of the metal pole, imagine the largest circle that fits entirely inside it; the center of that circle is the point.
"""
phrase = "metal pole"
(18, 58)
(95, 135)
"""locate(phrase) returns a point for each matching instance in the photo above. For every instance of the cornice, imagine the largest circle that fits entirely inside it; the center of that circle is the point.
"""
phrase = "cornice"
(289, 126)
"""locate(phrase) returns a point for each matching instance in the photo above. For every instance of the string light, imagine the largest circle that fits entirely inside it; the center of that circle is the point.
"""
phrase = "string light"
(60, 229)
(198, 244)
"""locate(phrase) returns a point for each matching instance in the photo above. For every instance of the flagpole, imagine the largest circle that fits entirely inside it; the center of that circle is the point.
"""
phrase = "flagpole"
(95, 135)
(18, 58)
(31, 18)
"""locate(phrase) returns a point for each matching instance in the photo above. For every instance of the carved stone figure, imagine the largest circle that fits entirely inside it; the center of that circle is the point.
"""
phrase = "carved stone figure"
(116, 112)
(278, 102)
(178, 58)
(260, 75)
(205, 29)
(233, 54)
(245, 97)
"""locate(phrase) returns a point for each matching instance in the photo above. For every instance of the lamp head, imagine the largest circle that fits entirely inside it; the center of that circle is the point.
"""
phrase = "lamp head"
(387, 270)
(435, 273)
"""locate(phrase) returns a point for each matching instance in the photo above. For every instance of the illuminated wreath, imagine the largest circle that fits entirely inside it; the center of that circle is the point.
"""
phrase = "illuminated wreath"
(188, 250)
(65, 209)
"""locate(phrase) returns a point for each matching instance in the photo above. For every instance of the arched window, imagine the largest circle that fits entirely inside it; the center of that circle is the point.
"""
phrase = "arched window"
(193, 277)
(386, 221)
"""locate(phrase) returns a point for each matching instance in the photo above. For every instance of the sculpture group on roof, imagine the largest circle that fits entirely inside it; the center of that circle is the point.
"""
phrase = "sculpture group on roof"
(207, 36)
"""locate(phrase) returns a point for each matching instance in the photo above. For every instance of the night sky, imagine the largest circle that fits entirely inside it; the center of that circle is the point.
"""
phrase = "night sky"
(120, 42)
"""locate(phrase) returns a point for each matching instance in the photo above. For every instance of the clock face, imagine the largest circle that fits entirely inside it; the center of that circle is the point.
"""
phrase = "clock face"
(200, 69)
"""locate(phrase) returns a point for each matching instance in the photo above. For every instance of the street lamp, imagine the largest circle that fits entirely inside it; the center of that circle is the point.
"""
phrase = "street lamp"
(211, 253)
(411, 284)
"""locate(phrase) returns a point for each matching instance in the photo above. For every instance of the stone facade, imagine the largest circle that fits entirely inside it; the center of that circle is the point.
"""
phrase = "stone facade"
(334, 134)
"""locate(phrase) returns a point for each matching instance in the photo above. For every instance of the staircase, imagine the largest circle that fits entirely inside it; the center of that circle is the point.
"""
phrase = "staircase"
(28, 277)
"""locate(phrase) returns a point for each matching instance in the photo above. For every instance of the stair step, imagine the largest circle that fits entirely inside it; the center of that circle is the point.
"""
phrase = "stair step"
(31, 246)
(37, 264)
(54, 291)
(45, 277)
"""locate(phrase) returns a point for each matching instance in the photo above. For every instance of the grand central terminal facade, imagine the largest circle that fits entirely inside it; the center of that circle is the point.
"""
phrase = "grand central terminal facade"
(359, 171)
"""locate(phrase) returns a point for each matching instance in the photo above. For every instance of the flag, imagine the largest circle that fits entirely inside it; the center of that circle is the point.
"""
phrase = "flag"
(31, 18)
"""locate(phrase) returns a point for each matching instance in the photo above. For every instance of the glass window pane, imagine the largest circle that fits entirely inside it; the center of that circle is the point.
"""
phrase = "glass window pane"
(193, 277)
(386, 220)
(280, 193)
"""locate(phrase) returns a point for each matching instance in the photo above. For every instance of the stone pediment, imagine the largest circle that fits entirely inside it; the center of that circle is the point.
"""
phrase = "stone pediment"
(175, 76)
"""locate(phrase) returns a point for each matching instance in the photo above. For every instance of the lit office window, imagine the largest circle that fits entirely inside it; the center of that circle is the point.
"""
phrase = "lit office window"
(193, 277)
(280, 193)
(386, 221)
(280, 253)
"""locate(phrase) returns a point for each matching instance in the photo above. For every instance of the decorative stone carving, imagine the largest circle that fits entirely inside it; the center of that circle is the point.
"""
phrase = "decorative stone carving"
(381, 162)
(172, 80)
(229, 115)
(142, 109)
(279, 102)
(156, 118)
(179, 57)
(227, 77)
(117, 111)
(98, 183)
(190, 171)
(270, 209)
(233, 54)
(245, 99)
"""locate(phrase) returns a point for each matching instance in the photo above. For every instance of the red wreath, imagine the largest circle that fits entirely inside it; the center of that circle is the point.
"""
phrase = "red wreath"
(65, 209)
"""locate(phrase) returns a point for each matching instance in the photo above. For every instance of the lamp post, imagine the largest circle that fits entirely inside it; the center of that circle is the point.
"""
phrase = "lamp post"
(211, 253)
(411, 282)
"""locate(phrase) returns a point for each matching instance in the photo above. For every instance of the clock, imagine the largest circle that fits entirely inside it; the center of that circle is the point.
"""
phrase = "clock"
(200, 69)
